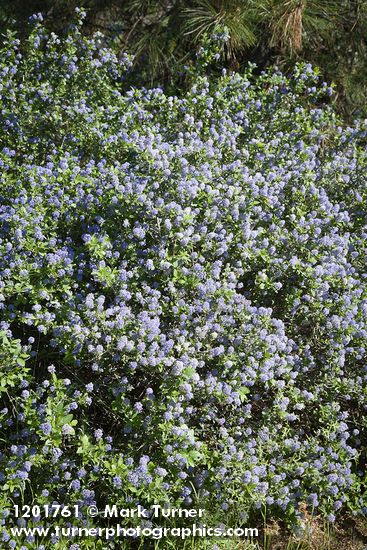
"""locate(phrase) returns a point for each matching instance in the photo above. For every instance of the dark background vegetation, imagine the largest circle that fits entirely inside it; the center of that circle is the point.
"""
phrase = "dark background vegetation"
(165, 34)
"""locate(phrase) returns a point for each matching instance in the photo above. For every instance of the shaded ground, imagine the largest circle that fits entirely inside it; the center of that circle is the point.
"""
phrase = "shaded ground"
(349, 534)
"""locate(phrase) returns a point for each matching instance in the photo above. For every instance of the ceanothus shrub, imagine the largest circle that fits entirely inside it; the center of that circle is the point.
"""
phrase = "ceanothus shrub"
(183, 288)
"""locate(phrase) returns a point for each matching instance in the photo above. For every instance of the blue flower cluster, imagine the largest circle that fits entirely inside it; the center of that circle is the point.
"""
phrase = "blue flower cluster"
(183, 288)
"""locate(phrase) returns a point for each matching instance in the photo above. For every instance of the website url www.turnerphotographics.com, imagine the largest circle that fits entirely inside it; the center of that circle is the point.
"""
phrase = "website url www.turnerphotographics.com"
(146, 530)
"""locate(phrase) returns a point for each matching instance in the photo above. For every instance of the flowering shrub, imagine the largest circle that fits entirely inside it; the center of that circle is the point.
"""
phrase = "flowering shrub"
(183, 288)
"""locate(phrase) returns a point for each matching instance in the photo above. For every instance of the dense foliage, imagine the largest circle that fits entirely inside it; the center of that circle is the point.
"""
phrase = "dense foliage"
(183, 288)
(164, 35)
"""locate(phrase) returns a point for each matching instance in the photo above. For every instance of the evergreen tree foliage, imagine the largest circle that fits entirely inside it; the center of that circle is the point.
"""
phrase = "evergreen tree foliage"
(164, 35)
